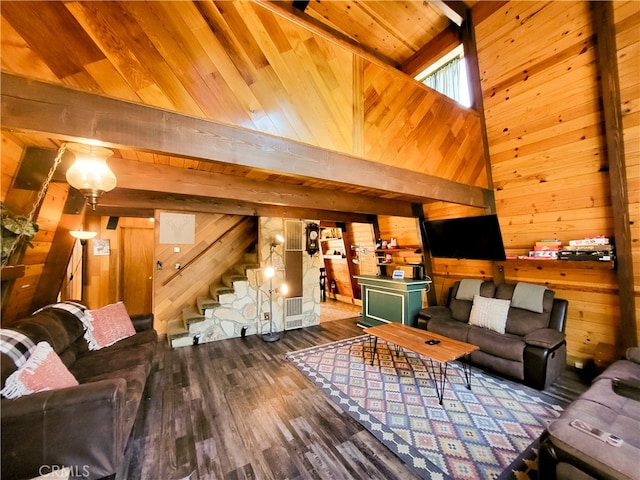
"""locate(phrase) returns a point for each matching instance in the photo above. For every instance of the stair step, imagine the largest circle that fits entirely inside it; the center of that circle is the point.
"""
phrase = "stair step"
(176, 328)
(205, 302)
(218, 289)
(229, 278)
(177, 334)
(252, 258)
(241, 268)
(191, 315)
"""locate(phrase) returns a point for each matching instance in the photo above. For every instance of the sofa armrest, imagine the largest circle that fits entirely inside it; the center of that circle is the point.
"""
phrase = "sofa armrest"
(428, 313)
(626, 387)
(633, 354)
(558, 319)
(78, 426)
(142, 322)
(545, 338)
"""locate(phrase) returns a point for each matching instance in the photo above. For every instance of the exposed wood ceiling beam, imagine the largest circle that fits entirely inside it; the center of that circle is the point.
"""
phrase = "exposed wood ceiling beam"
(452, 10)
(136, 175)
(124, 202)
(444, 42)
(308, 22)
(33, 106)
(300, 4)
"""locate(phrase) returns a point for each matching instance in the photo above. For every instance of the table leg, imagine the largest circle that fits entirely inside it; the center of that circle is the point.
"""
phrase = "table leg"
(375, 346)
(439, 380)
(466, 368)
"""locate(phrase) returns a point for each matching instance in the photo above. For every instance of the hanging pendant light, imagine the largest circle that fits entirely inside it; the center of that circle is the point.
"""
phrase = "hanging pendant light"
(90, 173)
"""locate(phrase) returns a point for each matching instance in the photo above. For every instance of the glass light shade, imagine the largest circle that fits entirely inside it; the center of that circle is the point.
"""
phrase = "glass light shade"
(269, 272)
(90, 173)
(82, 234)
(284, 289)
(279, 238)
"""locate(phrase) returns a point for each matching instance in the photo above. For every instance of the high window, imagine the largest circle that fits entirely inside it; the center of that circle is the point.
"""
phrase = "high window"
(448, 75)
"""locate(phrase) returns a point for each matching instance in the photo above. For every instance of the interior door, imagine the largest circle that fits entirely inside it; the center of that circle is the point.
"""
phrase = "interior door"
(137, 269)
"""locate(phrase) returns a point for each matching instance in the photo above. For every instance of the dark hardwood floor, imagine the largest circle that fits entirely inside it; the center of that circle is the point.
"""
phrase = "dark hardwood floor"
(237, 409)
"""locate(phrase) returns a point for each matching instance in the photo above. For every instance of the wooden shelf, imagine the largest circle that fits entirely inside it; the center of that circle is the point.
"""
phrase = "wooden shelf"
(11, 272)
(400, 249)
(586, 264)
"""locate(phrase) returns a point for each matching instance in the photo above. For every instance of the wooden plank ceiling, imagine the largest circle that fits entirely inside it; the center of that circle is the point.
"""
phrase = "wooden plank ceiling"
(252, 65)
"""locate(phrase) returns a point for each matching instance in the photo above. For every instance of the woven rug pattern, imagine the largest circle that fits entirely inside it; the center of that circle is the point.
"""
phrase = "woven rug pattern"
(488, 432)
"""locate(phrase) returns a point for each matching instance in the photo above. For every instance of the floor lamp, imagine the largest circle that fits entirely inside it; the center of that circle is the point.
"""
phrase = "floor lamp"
(269, 273)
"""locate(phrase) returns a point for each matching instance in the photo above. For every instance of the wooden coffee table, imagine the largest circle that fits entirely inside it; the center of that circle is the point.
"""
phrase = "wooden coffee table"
(416, 340)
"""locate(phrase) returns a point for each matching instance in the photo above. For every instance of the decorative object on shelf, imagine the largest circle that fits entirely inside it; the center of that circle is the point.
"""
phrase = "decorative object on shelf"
(313, 238)
(269, 272)
(90, 173)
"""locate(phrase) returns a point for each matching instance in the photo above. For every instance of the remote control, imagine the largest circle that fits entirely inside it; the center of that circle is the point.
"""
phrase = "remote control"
(607, 437)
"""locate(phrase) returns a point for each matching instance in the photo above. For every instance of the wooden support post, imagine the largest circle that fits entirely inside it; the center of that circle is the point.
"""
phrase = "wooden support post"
(606, 53)
(418, 212)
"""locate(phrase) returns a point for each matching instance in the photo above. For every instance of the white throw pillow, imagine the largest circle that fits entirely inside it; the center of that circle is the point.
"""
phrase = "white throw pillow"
(489, 313)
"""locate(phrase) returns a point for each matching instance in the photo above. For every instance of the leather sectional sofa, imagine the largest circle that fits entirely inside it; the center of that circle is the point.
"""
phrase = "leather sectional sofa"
(612, 406)
(532, 348)
(84, 428)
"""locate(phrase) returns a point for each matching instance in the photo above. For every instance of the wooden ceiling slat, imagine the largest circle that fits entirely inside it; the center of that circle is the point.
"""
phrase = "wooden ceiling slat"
(72, 49)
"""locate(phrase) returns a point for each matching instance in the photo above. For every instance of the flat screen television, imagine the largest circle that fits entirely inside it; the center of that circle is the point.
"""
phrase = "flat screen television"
(472, 238)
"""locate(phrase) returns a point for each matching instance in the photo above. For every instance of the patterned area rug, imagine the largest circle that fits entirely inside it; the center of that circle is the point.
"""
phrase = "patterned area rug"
(488, 432)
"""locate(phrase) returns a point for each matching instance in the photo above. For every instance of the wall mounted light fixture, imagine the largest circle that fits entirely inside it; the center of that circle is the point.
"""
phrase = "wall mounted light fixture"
(90, 173)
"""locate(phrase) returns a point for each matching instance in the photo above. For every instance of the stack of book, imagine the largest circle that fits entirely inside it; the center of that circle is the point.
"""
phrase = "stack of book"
(590, 249)
(546, 250)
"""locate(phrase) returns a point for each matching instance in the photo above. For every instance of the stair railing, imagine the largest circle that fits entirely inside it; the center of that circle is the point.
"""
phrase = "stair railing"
(201, 253)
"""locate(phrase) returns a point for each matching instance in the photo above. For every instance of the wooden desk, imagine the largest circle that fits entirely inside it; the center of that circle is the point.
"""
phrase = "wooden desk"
(415, 340)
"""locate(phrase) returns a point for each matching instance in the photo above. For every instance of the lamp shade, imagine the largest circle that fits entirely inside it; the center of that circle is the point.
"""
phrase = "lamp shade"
(82, 234)
(90, 173)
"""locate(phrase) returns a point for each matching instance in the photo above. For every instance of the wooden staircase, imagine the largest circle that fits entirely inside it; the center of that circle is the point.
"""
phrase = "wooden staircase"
(199, 320)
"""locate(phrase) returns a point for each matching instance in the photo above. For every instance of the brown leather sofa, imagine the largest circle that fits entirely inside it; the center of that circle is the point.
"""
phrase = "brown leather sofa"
(84, 428)
(533, 347)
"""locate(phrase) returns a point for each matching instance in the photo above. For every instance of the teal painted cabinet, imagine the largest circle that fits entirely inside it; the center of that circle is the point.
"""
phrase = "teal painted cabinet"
(385, 300)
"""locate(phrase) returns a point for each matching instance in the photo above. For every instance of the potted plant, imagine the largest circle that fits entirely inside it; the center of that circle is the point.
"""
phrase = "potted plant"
(15, 227)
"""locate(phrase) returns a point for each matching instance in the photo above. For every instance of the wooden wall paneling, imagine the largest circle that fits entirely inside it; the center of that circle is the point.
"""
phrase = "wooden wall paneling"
(55, 225)
(528, 53)
(403, 229)
(10, 154)
(22, 294)
(399, 111)
(358, 131)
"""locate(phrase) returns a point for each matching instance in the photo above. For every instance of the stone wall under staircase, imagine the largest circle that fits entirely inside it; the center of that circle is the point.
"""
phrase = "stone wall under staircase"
(230, 310)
